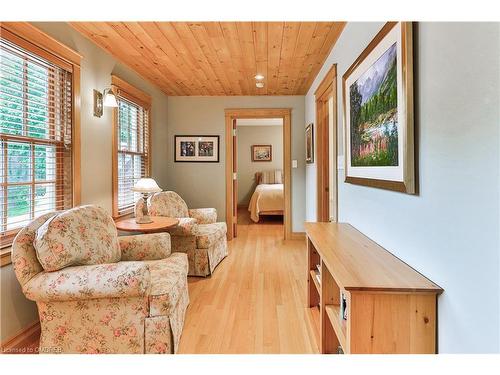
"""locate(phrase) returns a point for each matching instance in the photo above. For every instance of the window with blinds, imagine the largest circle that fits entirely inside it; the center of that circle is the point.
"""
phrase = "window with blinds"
(35, 138)
(133, 151)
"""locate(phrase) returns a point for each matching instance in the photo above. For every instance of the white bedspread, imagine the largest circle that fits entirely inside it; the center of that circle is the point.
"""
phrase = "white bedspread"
(266, 197)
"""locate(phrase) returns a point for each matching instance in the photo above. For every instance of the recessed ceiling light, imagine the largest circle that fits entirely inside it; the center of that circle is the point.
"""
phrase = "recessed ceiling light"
(259, 77)
(259, 84)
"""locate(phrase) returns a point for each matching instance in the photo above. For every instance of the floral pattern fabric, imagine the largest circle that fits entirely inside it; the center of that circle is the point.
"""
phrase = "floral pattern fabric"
(123, 279)
(204, 215)
(158, 336)
(198, 234)
(182, 244)
(168, 203)
(24, 260)
(208, 234)
(201, 261)
(106, 308)
(163, 333)
(92, 326)
(186, 227)
(145, 246)
(218, 252)
(80, 236)
(168, 282)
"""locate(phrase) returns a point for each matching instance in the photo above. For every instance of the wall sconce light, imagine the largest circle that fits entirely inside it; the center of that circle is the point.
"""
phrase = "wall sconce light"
(108, 101)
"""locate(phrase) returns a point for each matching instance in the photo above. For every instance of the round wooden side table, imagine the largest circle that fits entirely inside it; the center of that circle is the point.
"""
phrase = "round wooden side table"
(159, 224)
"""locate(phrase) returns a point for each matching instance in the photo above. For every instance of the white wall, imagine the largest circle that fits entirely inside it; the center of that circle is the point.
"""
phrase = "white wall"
(203, 184)
(256, 135)
(96, 69)
(450, 230)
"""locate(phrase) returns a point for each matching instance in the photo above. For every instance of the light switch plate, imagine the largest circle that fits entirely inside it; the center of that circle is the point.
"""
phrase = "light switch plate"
(294, 163)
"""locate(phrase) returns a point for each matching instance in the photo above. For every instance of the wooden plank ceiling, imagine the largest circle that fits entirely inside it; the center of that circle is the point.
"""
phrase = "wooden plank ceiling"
(219, 58)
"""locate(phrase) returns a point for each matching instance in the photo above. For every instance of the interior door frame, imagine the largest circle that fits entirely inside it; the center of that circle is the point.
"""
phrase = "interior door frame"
(327, 89)
(241, 113)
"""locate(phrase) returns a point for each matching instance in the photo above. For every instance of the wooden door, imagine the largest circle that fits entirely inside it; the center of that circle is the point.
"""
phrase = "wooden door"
(323, 182)
(326, 95)
(235, 181)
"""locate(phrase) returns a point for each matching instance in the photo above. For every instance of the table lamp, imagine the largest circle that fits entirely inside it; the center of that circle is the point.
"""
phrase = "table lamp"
(145, 186)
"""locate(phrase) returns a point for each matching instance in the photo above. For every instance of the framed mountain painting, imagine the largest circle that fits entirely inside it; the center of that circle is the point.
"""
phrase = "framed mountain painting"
(378, 112)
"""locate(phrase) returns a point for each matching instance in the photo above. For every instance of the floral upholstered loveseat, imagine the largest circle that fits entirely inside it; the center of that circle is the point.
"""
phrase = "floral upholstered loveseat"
(97, 292)
(198, 234)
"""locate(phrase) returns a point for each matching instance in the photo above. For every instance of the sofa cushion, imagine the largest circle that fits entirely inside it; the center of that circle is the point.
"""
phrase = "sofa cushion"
(112, 280)
(24, 259)
(151, 246)
(81, 236)
(208, 234)
(168, 203)
(168, 282)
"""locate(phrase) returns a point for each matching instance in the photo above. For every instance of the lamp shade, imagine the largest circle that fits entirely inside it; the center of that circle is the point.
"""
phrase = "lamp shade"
(146, 185)
(109, 99)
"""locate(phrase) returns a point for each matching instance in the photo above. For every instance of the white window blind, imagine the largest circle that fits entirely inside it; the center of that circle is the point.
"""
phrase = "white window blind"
(35, 138)
(133, 151)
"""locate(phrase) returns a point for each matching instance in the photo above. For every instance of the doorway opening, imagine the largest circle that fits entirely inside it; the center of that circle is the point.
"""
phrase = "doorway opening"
(258, 168)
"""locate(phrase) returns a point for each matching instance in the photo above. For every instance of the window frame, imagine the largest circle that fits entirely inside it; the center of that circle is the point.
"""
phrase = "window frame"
(39, 43)
(123, 89)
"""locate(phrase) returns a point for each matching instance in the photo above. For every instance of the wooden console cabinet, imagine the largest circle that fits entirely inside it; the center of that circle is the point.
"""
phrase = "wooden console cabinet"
(391, 308)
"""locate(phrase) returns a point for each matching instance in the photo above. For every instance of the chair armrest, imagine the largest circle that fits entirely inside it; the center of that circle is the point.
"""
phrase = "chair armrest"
(204, 215)
(145, 246)
(186, 227)
(114, 280)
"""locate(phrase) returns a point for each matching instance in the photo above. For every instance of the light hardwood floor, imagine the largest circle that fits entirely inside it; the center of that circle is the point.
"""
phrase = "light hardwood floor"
(255, 300)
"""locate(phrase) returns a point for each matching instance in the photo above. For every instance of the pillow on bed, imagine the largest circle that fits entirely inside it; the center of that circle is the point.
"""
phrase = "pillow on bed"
(271, 177)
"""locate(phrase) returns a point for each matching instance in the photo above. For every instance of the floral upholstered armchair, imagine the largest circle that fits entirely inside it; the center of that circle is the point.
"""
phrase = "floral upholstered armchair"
(198, 234)
(97, 292)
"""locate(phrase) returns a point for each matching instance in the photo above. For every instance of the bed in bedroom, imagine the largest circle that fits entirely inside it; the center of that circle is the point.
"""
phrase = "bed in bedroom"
(268, 197)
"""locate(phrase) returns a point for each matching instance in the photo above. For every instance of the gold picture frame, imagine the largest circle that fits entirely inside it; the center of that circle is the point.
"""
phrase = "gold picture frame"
(383, 153)
(310, 143)
(262, 153)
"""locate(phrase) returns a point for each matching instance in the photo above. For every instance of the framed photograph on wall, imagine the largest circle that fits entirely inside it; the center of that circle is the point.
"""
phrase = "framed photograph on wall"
(378, 112)
(310, 143)
(262, 153)
(197, 148)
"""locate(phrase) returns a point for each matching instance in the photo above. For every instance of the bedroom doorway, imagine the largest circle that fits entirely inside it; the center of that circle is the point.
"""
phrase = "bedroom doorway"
(258, 168)
(258, 157)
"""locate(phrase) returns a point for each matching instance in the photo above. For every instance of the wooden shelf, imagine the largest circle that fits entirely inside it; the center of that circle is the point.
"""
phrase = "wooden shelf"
(315, 281)
(333, 313)
(359, 264)
(392, 308)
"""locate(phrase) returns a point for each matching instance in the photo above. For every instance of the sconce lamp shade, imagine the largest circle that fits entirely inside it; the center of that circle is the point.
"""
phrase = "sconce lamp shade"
(146, 185)
(109, 99)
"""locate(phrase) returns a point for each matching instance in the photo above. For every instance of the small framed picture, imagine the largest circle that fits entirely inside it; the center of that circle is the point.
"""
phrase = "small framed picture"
(309, 144)
(197, 148)
(262, 153)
